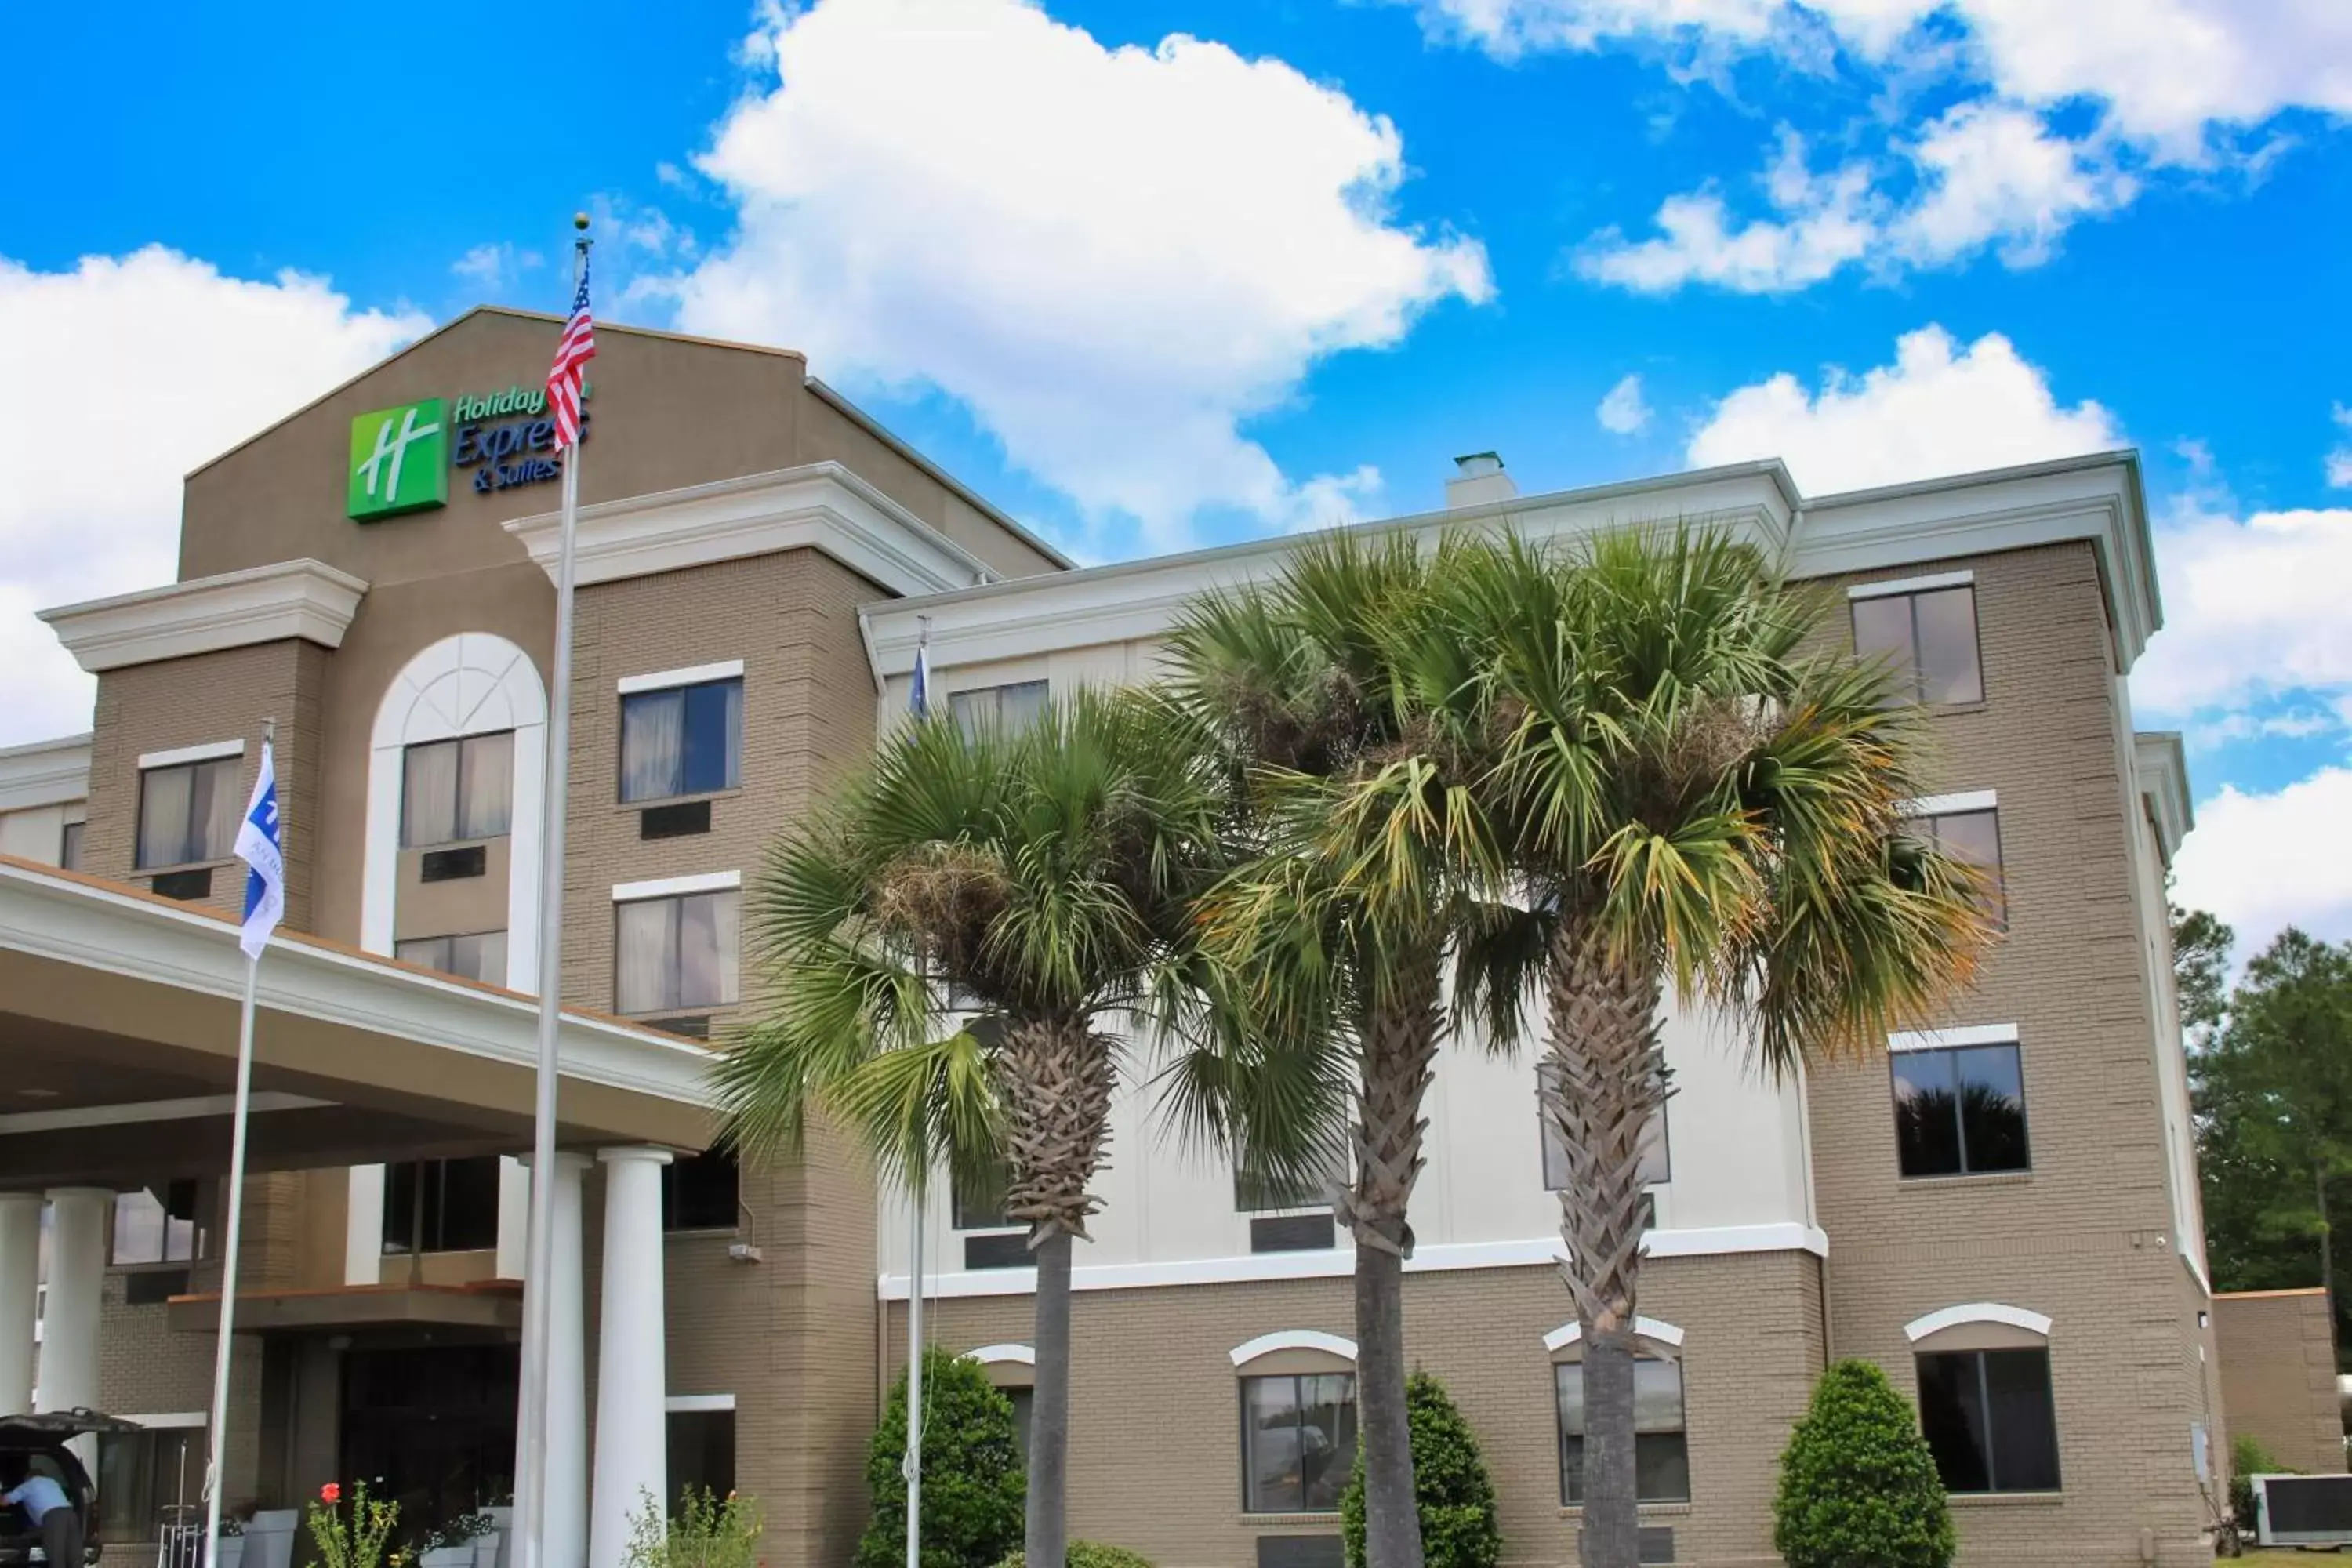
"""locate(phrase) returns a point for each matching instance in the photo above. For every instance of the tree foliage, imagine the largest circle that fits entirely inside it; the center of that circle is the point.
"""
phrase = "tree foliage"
(972, 1486)
(1453, 1492)
(2273, 1096)
(1858, 1485)
(1091, 1555)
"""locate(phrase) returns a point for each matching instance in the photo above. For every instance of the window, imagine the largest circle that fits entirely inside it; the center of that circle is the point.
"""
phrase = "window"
(1657, 1163)
(1989, 1420)
(69, 847)
(1299, 1442)
(1024, 1405)
(701, 1192)
(158, 1227)
(453, 790)
(1008, 707)
(1929, 637)
(1961, 1111)
(481, 957)
(459, 1208)
(675, 955)
(681, 740)
(1661, 1450)
(188, 812)
(1973, 839)
(701, 1453)
(141, 1474)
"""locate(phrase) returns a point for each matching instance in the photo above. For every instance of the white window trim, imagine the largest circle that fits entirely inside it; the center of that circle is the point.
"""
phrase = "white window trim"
(692, 1404)
(1946, 1040)
(1294, 1339)
(1936, 1322)
(1003, 1355)
(168, 1420)
(673, 887)
(692, 675)
(1887, 590)
(1949, 804)
(1663, 1333)
(211, 751)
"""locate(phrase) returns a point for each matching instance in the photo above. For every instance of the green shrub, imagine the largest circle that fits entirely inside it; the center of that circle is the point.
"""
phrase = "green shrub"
(2248, 1458)
(973, 1485)
(1451, 1487)
(1092, 1554)
(1858, 1485)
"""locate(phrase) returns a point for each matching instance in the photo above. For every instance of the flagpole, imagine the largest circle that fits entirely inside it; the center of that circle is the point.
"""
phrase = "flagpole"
(239, 1115)
(919, 703)
(531, 1478)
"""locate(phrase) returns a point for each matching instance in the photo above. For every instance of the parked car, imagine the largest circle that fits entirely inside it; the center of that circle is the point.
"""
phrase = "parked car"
(40, 1440)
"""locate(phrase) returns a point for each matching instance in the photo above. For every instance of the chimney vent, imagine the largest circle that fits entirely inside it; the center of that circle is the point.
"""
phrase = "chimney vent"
(1478, 478)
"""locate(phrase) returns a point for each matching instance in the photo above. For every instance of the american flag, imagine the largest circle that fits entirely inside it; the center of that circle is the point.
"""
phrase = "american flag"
(573, 352)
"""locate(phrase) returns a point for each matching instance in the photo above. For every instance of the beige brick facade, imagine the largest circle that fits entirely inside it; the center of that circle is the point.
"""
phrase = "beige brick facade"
(2278, 1375)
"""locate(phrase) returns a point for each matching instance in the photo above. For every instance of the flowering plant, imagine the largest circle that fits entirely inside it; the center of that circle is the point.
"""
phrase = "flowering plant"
(356, 1541)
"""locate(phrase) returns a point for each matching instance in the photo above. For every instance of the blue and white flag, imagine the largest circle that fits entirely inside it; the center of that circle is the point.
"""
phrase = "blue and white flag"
(258, 847)
(918, 700)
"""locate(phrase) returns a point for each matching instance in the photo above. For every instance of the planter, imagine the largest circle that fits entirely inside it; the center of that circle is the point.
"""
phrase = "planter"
(448, 1557)
(228, 1551)
(487, 1549)
(269, 1538)
(504, 1519)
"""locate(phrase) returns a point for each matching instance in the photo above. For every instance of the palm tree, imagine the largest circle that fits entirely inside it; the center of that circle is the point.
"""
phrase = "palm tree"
(1040, 879)
(1694, 796)
(1315, 683)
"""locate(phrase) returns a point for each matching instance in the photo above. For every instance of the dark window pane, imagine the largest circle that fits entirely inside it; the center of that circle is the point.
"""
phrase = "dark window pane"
(1973, 838)
(1328, 1409)
(1992, 1109)
(1947, 645)
(459, 1208)
(1661, 1467)
(2024, 1425)
(69, 847)
(1298, 1440)
(713, 720)
(1661, 1449)
(1926, 1114)
(978, 1207)
(1024, 1401)
(701, 1453)
(1882, 629)
(1952, 1414)
(701, 1193)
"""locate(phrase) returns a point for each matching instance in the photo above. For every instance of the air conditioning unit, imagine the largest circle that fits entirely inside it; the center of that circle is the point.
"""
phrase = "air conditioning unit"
(2302, 1511)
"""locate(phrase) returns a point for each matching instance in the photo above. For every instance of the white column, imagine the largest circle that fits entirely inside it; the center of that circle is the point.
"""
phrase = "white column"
(632, 1406)
(364, 1227)
(76, 1288)
(20, 1290)
(566, 1530)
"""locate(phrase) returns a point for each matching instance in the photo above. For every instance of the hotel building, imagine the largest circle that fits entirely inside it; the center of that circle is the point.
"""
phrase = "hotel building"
(2002, 1213)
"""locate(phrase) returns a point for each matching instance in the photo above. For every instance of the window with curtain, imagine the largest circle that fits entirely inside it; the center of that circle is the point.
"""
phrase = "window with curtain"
(481, 955)
(157, 1225)
(1661, 1447)
(675, 954)
(1299, 1442)
(1973, 839)
(682, 740)
(452, 790)
(1010, 708)
(1929, 639)
(1961, 1111)
(1989, 1419)
(188, 812)
(460, 1207)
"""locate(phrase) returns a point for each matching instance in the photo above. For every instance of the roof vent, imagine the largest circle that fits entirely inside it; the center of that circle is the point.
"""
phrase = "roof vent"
(1478, 478)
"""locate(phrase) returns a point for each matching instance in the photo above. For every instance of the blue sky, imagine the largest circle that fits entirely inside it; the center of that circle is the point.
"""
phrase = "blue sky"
(1152, 274)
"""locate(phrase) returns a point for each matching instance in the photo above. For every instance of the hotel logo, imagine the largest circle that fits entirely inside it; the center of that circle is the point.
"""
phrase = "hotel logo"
(400, 460)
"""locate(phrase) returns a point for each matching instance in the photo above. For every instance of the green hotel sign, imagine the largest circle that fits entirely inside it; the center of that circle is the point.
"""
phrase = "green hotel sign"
(400, 460)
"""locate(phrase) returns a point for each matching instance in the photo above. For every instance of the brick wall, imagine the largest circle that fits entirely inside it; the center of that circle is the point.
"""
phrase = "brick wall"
(2278, 1375)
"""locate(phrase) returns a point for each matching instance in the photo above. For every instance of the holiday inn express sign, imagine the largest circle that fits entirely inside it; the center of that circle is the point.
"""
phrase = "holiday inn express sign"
(401, 457)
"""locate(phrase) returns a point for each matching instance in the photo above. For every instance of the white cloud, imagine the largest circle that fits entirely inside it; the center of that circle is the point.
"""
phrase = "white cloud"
(1980, 174)
(490, 267)
(1940, 408)
(1622, 411)
(1113, 256)
(2167, 71)
(2339, 460)
(2253, 611)
(2263, 862)
(121, 376)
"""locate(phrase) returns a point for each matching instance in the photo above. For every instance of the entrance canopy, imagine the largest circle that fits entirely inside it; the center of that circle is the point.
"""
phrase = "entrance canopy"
(117, 1050)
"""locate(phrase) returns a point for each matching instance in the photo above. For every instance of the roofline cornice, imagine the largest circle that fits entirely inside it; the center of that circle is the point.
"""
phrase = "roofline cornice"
(45, 772)
(304, 598)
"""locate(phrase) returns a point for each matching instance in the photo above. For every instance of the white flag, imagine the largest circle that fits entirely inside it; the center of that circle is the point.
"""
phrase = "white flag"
(258, 847)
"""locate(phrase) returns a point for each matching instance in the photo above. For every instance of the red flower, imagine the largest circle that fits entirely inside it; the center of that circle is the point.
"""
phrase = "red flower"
(332, 1492)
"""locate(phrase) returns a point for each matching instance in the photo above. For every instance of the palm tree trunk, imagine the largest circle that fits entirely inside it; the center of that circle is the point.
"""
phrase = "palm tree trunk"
(1399, 1046)
(1048, 1527)
(1604, 1078)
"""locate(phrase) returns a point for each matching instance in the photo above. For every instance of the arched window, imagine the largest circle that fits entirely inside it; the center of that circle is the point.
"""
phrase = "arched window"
(1985, 1400)
(1298, 1420)
(1660, 1440)
(1014, 1370)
